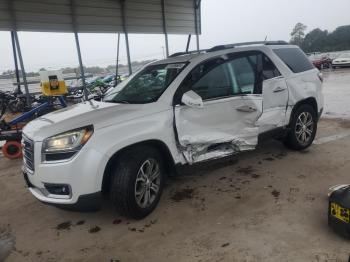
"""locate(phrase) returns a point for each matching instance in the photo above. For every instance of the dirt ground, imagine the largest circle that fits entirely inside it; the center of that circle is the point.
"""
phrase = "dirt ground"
(266, 205)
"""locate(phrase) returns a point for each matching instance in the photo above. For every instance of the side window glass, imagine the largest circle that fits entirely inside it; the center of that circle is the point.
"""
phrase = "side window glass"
(243, 72)
(269, 69)
(219, 78)
(295, 59)
(216, 83)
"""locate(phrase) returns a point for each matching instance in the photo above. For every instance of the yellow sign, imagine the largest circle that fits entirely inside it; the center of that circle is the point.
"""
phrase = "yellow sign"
(340, 212)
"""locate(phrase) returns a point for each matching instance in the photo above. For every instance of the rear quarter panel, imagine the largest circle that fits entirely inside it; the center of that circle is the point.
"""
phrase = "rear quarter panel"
(302, 86)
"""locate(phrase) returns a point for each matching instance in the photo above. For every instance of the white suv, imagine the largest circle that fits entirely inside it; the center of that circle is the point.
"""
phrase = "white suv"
(189, 108)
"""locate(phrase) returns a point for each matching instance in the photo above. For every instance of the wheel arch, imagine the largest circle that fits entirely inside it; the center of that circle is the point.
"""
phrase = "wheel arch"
(159, 145)
(308, 101)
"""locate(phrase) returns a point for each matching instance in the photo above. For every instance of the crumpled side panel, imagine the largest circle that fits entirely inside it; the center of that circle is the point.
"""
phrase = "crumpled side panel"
(216, 145)
(217, 130)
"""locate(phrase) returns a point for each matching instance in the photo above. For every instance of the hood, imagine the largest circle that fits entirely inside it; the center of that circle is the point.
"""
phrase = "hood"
(98, 114)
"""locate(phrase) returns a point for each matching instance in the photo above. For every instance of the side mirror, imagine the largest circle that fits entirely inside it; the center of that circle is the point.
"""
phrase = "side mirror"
(192, 99)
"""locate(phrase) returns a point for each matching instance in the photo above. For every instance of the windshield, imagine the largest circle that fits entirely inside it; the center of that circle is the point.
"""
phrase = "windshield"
(146, 86)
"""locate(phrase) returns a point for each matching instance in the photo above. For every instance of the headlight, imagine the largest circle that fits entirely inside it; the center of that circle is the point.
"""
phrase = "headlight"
(65, 145)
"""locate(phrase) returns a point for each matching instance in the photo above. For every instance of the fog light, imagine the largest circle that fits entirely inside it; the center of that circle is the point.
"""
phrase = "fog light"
(58, 189)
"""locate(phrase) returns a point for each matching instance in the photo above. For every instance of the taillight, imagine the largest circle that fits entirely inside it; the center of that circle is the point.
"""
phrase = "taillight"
(320, 76)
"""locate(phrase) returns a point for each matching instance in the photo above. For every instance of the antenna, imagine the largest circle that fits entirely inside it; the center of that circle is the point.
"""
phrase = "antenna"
(265, 38)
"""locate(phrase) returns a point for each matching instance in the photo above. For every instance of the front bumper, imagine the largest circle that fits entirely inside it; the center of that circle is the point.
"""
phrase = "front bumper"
(82, 176)
(88, 202)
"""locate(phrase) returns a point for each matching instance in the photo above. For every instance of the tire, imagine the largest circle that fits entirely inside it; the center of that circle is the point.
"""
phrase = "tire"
(128, 182)
(303, 128)
(12, 149)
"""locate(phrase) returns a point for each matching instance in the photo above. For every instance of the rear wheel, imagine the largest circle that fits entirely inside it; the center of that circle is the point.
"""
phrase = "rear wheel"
(302, 128)
(137, 182)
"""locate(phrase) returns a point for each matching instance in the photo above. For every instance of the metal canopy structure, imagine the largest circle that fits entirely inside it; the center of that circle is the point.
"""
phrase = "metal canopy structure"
(99, 16)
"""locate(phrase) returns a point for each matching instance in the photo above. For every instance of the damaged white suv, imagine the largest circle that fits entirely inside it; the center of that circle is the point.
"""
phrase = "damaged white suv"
(189, 108)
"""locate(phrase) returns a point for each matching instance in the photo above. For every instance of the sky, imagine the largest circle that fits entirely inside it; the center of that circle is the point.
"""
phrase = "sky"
(223, 22)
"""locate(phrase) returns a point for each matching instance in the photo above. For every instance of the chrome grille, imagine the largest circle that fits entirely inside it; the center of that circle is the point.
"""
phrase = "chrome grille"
(28, 153)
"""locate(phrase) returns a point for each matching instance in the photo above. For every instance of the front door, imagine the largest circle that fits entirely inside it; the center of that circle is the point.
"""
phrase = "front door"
(230, 88)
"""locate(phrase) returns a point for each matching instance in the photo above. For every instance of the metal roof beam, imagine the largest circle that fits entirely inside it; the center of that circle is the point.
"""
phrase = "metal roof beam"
(75, 30)
(122, 3)
(16, 42)
(165, 28)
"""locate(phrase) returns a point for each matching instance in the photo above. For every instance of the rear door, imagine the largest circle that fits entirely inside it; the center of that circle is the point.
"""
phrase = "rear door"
(232, 102)
(275, 97)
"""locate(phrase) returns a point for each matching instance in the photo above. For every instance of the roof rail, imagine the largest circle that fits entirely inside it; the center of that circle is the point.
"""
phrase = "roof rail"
(222, 47)
(188, 52)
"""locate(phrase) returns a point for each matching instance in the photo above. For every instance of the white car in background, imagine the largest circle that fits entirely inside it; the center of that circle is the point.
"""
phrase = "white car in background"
(189, 108)
(342, 61)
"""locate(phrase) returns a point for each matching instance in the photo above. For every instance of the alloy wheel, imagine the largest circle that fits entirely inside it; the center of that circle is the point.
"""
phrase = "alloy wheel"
(147, 183)
(304, 128)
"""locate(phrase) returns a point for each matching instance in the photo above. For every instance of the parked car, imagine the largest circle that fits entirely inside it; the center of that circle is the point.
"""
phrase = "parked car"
(342, 61)
(184, 110)
(321, 61)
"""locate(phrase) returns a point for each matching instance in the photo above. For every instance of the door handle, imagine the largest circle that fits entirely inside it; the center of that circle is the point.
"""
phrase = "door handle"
(246, 108)
(279, 89)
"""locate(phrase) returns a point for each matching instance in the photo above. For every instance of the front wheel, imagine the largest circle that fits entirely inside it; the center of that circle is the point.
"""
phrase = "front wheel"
(137, 182)
(302, 128)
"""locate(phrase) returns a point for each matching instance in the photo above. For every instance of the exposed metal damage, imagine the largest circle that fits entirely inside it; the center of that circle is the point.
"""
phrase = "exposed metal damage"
(217, 145)
(218, 129)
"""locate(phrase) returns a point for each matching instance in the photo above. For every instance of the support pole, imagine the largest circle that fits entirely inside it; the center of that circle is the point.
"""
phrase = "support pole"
(75, 29)
(14, 36)
(188, 42)
(122, 3)
(16, 62)
(22, 69)
(81, 65)
(196, 10)
(117, 64)
(165, 29)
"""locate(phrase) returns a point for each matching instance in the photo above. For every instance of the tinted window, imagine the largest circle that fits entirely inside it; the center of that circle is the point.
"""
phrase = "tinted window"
(243, 73)
(216, 83)
(269, 69)
(219, 78)
(295, 59)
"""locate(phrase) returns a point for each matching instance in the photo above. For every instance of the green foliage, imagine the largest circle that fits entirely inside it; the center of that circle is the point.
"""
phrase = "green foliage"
(318, 40)
(298, 34)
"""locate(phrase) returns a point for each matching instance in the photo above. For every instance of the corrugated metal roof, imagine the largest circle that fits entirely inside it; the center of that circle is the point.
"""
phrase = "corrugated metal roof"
(95, 16)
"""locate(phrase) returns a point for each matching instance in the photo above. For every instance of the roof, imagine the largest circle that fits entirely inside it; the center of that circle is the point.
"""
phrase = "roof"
(95, 16)
(182, 57)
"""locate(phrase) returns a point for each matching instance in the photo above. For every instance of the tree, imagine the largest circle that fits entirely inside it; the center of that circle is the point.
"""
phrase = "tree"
(340, 38)
(298, 34)
(316, 41)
